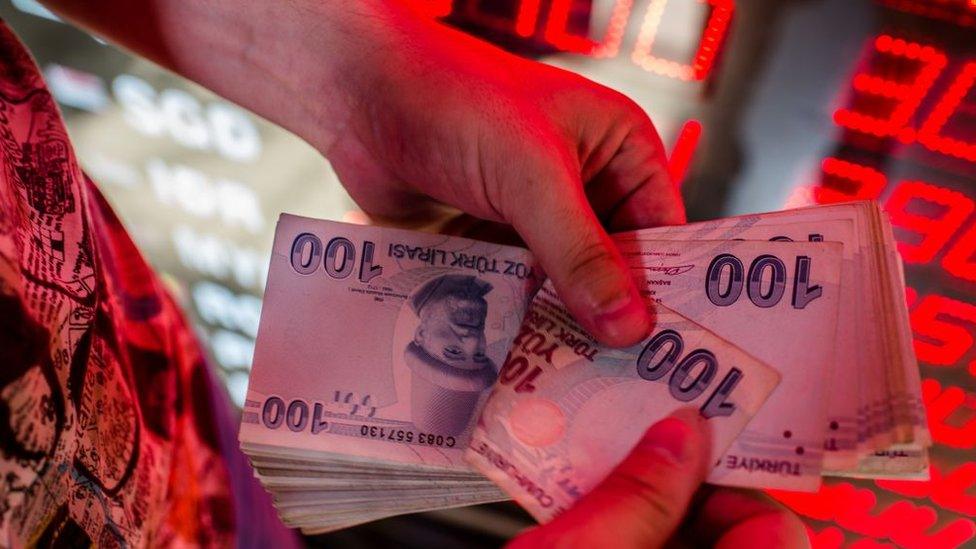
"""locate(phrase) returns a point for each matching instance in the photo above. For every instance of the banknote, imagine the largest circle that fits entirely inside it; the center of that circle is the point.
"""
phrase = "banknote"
(842, 420)
(379, 344)
(566, 410)
(876, 420)
(778, 301)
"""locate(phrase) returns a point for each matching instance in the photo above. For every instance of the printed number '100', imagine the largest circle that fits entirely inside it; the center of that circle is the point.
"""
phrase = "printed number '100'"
(761, 295)
(662, 355)
(338, 257)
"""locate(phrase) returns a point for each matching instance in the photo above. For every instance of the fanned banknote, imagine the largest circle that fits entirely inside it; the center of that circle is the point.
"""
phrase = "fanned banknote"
(566, 410)
(378, 349)
(876, 424)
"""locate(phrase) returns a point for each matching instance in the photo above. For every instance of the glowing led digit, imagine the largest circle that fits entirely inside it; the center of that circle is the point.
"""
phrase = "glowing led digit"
(934, 231)
(526, 16)
(944, 404)
(431, 8)
(960, 260)
(556, 34)
(911, 296)
(708, 47)
(858, 510)
(940, 320)
(930, 134)
(954, 491)
(684, 148)
(844, 181)
(905, 96)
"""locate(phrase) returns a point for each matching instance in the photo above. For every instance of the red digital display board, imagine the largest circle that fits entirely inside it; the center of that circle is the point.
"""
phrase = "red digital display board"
(912, 101)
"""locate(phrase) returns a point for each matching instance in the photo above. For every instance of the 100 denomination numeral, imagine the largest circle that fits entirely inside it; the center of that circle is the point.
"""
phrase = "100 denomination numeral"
(295, 415)
(338, 259)
(724, 295)
(684, 384)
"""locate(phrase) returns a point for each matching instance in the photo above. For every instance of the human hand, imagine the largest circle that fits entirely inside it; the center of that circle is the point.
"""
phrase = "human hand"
(440, 118)
(447, 120)
(650, 501)
(415, 116)
(422, 122)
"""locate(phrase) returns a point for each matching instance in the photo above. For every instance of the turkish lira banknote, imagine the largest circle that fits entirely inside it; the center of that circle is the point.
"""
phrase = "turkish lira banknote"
(378, 349)
(566, 409)
(379, 344)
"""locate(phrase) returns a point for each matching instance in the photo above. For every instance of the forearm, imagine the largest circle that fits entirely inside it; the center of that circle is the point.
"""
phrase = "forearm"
(294, 62)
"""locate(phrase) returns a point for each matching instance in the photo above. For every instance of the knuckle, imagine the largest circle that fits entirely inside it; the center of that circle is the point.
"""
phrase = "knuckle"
(630, 109)
(640, 123)
(588, 258)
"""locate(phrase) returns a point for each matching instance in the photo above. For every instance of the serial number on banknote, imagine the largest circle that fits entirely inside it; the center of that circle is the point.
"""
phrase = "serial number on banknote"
(298, 416)
(406, 435)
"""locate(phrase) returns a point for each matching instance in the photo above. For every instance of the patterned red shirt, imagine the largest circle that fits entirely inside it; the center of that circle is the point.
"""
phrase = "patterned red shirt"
(112, 428)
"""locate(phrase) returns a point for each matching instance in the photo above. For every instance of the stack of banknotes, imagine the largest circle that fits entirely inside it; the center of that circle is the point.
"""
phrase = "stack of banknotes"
(398, 371)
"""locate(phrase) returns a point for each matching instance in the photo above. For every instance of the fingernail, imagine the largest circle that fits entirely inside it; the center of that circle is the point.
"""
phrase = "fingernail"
(624, 321)
(671, 437)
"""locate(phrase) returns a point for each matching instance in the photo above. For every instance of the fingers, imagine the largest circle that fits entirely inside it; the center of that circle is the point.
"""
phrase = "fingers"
(560, 228)
(643, 501)
(730, 518)
(633, 189)
(645, 498)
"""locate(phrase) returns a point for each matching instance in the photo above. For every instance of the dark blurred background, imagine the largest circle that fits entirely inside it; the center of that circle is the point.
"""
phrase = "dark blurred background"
(762, 104)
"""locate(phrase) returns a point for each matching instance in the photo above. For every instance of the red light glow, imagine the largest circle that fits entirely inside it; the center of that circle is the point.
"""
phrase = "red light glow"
(951, 492)
(947, 491)
(935, 231)
(857, 510)
(907, 96)
(960, 260)
(895, 80)
(946, 322)
(683, 150)
(852, 181)
(929, 134)
(527, 17)
(431, 8)
(708, 47)
(556, 33)
(828, 538)
(834, 538)
(956, 12)
(941, 404)
(911, 296)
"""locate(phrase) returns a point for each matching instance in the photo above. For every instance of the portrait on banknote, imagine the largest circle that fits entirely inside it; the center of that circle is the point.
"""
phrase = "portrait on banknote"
(446, 356)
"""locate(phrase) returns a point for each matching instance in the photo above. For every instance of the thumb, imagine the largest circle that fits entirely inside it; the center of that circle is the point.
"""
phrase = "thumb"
(644, 499)
(559, 226)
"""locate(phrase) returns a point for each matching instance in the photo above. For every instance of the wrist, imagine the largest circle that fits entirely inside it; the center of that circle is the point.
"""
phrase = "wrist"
(335, 59)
